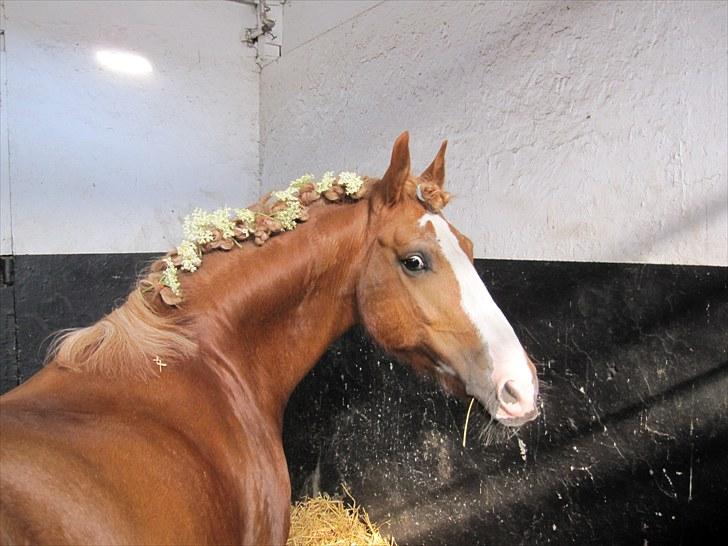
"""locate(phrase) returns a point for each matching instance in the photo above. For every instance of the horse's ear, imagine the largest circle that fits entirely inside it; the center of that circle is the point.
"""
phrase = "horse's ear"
(398, 171)
(436, 171)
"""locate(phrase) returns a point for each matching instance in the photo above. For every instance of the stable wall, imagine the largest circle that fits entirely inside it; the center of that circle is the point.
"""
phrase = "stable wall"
(95, 161)
(579, 131)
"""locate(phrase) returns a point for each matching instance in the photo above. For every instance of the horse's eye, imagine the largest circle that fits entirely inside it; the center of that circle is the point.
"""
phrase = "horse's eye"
(414, 263)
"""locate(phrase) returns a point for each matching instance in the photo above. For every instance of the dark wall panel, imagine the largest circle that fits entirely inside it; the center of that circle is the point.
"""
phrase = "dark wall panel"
(8, 345)
(630, 447)
(53, 292)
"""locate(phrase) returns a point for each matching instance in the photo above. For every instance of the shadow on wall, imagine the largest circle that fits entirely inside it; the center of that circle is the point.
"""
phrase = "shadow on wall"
(628, 448)
(696, 220)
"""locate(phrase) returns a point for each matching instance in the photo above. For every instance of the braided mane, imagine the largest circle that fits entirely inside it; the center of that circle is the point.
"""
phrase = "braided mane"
(150, 327)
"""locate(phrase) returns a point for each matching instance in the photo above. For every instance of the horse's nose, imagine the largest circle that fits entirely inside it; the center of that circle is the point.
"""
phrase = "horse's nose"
(517, 401)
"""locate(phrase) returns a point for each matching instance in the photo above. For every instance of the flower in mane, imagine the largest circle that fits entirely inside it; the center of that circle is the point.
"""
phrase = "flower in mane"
(351, 181)
(245, 222)
(289, 214)
(224, 228)
(188, 253)
(199, 227)
(169, 277)
(327, 180)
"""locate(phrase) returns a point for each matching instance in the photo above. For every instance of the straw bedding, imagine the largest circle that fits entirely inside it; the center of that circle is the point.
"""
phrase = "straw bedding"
(323, 521)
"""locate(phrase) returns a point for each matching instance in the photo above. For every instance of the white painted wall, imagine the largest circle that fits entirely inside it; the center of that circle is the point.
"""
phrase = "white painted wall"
(589, 131)
(100, 162)
(304, 20)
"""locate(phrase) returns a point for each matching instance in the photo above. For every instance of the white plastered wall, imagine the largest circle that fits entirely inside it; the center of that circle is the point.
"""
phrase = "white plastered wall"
(95, 161)
(579, 131)
(587, 131)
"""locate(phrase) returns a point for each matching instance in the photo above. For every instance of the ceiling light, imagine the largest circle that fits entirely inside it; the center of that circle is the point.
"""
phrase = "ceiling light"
(124, 62)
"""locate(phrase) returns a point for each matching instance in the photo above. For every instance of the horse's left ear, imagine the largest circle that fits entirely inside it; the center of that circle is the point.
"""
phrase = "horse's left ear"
(398, 171)
(436, 171)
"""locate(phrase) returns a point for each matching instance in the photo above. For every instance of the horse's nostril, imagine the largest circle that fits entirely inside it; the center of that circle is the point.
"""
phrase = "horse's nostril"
(509, 393)
(517, 403)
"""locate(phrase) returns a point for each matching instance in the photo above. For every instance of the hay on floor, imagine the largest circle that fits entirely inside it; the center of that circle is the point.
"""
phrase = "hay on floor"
(323, 521)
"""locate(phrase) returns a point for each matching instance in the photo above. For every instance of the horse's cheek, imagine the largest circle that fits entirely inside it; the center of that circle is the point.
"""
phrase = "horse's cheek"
(372, 306)
(385, 319)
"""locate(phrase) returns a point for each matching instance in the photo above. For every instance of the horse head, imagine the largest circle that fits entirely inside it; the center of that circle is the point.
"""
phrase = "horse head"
(421, 299)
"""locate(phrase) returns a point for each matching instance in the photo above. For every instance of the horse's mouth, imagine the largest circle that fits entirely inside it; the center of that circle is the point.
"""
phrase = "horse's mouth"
(516, 421)
(508, 404)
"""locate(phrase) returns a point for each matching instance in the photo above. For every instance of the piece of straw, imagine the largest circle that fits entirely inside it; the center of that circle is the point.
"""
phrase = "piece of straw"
(323, 521)
(467, 418)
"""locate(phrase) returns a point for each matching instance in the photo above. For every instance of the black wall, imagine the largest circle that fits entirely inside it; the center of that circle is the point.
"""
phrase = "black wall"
(631, 446)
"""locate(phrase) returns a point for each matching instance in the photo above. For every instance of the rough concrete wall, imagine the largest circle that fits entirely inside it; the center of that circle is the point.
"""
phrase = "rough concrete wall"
(113, 162)
(589, 131)
(306, 19)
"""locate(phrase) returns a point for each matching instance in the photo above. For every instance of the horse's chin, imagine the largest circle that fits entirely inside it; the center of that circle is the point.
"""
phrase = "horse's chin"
(514, 422)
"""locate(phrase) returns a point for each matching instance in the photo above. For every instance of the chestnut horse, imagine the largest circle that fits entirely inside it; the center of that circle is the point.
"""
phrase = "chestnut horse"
(162, 424)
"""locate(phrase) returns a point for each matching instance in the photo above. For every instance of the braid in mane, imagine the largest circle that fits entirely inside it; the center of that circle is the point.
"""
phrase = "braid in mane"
(149, 329)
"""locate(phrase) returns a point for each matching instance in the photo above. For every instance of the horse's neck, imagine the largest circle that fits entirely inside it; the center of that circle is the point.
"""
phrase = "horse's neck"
(263, 327)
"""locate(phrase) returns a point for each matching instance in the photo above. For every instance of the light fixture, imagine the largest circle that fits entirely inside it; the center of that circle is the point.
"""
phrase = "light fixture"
(124, 62)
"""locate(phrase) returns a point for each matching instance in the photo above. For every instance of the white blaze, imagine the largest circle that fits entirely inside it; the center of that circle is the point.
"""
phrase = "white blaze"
(507, 357)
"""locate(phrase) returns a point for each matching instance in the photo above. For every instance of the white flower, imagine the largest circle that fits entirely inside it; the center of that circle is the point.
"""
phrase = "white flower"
(220, 220)
(199, 226)
(170, 278)
(327, 180)
(352, 182)
(302, 181)
(195, 227)
(288, 216)
(290, 194)
(190, 256)
(246, 216)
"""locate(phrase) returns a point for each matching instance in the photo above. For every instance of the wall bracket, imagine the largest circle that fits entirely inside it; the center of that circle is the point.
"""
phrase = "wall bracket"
(262, 37)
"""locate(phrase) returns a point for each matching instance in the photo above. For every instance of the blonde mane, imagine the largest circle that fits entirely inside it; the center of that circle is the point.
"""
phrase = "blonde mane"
(129, 339)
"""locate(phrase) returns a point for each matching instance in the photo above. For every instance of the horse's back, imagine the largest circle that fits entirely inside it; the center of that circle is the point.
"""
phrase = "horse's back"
(75, 472)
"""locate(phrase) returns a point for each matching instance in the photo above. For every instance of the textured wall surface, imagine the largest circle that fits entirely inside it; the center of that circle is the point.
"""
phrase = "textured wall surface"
(113, 162)
(304, 20)
(589, 131)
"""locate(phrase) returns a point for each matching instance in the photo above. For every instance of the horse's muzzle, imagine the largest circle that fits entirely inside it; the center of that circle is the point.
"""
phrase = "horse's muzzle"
(517, 400)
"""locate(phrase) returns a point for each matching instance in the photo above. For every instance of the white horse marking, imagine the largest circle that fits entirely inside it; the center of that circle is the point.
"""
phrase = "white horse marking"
(506, 355)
